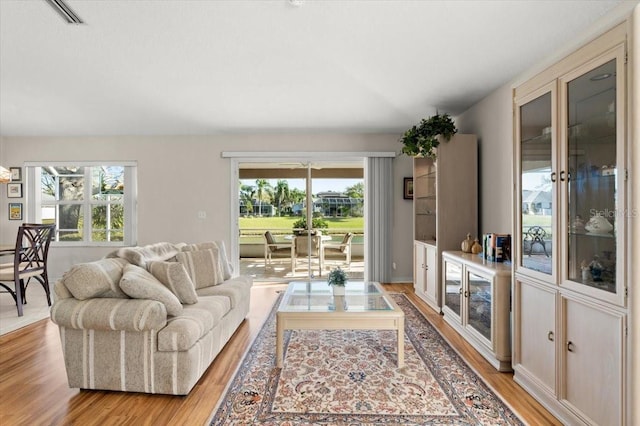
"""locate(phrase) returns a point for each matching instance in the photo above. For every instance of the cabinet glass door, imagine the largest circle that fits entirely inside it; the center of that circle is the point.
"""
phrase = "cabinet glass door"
(592, 181)
(537, 187)
(479, 304)
(453, 286)
(424, 199)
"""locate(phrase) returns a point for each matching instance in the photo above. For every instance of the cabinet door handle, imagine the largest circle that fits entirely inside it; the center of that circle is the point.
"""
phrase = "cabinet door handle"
(460, 291)
(426, 267)
(466, 294)
(550, 336)
(553, 176)
(568, 176)
(570, 346)
(562, 176)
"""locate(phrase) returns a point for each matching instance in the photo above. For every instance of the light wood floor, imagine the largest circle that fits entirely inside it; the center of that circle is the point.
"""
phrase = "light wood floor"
(34, 391)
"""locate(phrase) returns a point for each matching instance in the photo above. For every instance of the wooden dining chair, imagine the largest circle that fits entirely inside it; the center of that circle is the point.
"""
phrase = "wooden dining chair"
(29, 261)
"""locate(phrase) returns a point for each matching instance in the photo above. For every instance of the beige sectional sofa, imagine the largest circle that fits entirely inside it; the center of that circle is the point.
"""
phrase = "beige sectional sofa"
(148, 319)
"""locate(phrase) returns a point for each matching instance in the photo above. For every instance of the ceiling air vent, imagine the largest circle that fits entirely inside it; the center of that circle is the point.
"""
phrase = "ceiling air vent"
(65, 11)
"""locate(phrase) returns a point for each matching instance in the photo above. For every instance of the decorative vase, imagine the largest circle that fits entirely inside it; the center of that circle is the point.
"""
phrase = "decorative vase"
(476, 248)
(578, 224)
(596, 268)
(586, 270)
(467, 244)
(598, 225)
(338, 290)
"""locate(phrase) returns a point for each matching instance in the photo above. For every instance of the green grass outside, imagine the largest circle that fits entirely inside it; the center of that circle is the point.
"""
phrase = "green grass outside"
(252, 228)
(534, 219)
(529, 220)
(286, 222)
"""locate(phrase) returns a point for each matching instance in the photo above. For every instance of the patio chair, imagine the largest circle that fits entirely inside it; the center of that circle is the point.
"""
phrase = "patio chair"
(29, 261)
(342, 248)
(536, 235)
(271, 247)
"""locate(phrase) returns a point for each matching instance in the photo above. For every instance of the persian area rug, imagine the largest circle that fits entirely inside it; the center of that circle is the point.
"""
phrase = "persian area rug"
(348, 377)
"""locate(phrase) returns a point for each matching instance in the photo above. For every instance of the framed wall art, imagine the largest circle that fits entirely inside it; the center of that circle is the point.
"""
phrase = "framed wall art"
(15, 211)
(14, 190)
(16, 174)
(408, 188)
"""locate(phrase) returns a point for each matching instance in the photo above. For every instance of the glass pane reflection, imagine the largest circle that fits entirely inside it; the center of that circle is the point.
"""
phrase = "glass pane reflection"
(536, 183)
(593, 178)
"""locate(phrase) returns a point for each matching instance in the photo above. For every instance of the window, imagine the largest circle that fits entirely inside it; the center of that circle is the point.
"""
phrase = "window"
(90, 203)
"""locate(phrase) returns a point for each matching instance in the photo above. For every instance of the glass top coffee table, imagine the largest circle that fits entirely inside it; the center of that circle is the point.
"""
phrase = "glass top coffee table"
(310, 305)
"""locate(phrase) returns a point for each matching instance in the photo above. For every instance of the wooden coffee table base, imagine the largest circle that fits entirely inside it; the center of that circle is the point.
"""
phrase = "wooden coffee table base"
(340, 320)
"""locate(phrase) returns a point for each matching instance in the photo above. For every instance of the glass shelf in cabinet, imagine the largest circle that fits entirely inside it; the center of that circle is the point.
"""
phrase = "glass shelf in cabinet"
(609, 286)
(540, 138)
(593, 129)
(592, 234)
(592, 176)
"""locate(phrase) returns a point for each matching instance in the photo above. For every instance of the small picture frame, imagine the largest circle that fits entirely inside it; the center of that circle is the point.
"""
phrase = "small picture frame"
(14, 190)
(408, 188)
(16, 174)
(15, 211)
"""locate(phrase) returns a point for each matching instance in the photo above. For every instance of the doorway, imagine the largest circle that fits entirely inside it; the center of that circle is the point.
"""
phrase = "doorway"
(300, 219)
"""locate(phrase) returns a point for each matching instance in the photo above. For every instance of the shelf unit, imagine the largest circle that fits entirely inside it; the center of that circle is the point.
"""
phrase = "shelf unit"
(445, 209)
(570, 300)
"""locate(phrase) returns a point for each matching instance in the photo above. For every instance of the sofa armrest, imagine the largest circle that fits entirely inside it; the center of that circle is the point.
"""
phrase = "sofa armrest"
(109, 314)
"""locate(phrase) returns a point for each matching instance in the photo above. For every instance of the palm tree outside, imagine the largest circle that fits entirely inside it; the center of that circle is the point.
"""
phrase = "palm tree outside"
(282, 195)
(264, 192)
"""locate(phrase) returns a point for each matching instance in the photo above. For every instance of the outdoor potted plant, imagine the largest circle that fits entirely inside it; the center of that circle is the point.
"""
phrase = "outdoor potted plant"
(421, 140)
(317, 223)
(337, 279)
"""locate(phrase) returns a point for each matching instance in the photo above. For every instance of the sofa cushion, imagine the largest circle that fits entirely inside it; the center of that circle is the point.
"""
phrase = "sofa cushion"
(237, 289)
(109, 314)
(202, 266)
(95, 279)
(137, 283)
(183, 331)
(154, 252)
(175, 278)
(218, 245)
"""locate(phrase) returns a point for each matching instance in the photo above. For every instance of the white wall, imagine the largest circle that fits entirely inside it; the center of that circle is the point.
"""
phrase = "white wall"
(491, 120)
(181, 175)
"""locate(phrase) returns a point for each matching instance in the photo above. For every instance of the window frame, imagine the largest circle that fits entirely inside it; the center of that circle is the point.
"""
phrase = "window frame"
(34, 201)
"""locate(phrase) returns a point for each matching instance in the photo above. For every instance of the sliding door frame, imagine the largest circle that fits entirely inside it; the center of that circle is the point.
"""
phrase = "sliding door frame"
(238, 157)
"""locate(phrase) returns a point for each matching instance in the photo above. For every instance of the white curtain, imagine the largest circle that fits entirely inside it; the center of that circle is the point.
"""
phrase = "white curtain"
(379, 205)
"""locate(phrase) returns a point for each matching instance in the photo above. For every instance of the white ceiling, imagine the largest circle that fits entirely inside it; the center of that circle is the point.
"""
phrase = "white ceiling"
(152, 67)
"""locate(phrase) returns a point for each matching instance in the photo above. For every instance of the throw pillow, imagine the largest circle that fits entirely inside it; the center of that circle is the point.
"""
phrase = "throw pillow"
(218, 245)
(153, 252)
(202, 266)
(95, 279)
(226, 265)
(175, 278)
(137, 283)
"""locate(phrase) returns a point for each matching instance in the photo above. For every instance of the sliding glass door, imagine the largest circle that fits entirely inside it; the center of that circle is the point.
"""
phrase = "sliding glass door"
(300, 219)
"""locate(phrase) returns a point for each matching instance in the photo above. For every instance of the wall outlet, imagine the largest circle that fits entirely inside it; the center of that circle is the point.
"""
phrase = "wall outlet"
(202, 214)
